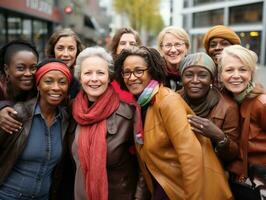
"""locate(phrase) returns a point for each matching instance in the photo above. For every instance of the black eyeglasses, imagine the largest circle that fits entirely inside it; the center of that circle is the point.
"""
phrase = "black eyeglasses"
(137, 73)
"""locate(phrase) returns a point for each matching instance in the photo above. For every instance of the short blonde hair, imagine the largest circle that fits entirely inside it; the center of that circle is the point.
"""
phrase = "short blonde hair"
(247, 57)
(179, 32)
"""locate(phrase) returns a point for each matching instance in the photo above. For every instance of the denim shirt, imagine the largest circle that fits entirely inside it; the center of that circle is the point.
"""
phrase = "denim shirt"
(31, 177)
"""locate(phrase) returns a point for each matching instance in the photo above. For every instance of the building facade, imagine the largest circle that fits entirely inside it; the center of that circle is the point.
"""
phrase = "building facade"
(30, 20)
(36, 20)
(246, 17)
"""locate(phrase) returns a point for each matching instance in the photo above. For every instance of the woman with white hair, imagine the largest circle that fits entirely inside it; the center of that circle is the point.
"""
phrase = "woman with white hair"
(173, 44)
(103, 144)
(237, 69)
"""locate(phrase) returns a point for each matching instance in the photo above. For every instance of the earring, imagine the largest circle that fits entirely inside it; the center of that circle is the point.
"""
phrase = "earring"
(211, 86)
(7, 77)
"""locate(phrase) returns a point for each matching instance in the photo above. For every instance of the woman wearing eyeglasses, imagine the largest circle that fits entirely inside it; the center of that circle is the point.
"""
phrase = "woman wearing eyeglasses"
(170, 153)
(124, 38)
(173, 44)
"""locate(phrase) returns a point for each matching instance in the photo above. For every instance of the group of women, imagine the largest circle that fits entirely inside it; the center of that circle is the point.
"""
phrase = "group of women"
(138, 123)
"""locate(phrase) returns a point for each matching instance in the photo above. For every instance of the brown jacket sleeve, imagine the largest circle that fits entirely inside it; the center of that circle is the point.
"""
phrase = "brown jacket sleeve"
(226, 116)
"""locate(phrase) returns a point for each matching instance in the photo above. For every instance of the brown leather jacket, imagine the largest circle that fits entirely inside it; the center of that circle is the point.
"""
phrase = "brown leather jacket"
(11, 146)
(124, 178)
(183, 163)
(254, 132)
(225, 115)
(171, 151)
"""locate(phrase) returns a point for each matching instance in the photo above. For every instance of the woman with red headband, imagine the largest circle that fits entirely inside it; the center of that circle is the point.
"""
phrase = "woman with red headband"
(29, 157)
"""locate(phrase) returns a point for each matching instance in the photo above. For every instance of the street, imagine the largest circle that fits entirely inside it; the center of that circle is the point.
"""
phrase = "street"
(261, 75)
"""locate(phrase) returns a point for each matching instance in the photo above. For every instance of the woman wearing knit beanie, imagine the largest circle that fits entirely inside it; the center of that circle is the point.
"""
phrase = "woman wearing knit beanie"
(217, 38)
(216, 114)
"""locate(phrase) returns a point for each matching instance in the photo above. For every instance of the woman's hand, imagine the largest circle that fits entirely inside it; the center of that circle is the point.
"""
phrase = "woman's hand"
(7, 120)
(206, 128)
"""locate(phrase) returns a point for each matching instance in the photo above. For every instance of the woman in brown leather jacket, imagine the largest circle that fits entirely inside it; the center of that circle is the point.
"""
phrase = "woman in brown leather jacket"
(30, 156)
(18, 61)
(217, 115)
(103, 144)
(176, 163)
(237, 68)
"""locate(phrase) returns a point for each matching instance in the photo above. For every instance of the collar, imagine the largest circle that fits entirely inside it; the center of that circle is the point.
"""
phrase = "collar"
(240, 98)
(58, 115)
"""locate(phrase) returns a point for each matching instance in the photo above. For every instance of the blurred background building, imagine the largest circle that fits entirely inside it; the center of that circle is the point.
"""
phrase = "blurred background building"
(246, 17)
(97, 20)
(36, 20)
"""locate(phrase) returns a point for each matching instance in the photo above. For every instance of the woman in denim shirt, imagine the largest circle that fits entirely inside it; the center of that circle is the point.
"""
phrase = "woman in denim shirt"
(29, 157)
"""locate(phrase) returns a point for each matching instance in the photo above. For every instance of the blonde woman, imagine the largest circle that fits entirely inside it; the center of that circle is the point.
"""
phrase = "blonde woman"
(237, 69)
(173, 44)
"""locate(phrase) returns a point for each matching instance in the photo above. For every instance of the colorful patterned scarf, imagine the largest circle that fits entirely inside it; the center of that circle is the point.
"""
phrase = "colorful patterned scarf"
(148, 93)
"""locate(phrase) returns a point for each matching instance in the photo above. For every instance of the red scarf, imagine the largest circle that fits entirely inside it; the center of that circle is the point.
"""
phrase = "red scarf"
(128, 98)
(92, 147)
(170, 71)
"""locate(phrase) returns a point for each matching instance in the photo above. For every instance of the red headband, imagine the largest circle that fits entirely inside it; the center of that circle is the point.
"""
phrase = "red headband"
(53, 66)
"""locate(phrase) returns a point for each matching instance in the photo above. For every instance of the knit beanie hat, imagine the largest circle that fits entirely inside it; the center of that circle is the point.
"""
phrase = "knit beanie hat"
(220, 31)
(198, 59)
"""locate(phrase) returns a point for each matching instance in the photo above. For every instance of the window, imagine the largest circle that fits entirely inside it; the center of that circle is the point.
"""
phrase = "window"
(185, 3)
(199, 2)
(197, 43)
(2, 30)
(185, 21)
(251, 40)
(26, 29)
(251, 13)
(40, 36)
(208, 18)
(14, 28)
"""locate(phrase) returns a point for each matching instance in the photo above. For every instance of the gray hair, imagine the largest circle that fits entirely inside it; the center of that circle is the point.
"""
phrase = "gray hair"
(92, 52)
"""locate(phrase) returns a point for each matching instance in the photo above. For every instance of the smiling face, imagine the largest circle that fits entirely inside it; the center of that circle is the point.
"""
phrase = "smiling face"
(216, 46)
(53, 88)
(176, 53)
(126, 41)
(134, 84)
(234, 75)
(21, 70)
(196, 81)
(94, 77)
(66, 50)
